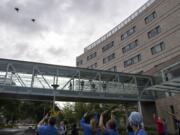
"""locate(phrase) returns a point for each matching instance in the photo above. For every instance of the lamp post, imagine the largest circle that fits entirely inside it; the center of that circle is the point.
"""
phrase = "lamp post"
(55, 86)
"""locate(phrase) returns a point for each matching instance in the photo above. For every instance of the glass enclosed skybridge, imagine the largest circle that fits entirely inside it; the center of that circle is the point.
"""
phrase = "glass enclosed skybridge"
(39, 81)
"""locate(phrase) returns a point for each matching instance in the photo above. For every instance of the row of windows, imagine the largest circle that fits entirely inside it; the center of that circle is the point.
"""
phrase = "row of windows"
(108, 46)
(154, 50)
(93, 66)
(130, 46)
(109, 58)
(131, 31)
(132, 61)
(134, 44)
(128, 33)
(91, 56)
(151, 34)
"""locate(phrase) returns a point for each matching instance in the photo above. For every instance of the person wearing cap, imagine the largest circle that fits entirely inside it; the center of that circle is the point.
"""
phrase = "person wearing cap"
(136, 120)
(89, 128)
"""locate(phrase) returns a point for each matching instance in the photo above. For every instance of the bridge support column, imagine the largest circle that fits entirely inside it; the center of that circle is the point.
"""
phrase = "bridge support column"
(147, 109)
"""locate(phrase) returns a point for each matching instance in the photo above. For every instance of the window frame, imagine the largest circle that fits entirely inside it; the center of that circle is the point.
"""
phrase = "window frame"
(132, 61)
(154, 32)
(162, 47)
(130, 46)
(150, 17)
(128, 33)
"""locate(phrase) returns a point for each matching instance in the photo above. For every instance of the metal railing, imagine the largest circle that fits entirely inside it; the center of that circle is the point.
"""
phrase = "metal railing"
(122, 24)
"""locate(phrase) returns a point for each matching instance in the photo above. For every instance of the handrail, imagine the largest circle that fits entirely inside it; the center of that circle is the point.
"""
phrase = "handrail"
(119, 26)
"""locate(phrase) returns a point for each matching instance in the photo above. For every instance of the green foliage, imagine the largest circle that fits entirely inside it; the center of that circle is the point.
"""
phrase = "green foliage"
(14, 110)
(68, 113)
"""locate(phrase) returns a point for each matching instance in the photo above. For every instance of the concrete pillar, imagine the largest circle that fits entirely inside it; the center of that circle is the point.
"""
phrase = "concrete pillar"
(148, 108)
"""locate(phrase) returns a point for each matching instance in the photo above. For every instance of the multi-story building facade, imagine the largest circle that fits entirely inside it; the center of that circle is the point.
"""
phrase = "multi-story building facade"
(145, 41)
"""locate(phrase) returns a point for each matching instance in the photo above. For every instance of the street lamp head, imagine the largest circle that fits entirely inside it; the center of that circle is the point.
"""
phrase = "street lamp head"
(55, 86)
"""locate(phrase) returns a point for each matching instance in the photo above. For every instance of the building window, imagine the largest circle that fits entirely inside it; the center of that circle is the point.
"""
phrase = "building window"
(108, 46)
(80, 62)
(132, 61)
(114, 69)
(128, 33)
(109, 58)
(151, 17)
(130, 46)
(91, 56)
(158, 48)
(93, 66)
(154, 32)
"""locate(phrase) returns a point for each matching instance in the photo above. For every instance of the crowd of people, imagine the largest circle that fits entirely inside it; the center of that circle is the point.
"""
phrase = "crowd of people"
(96, 126)
(110, 127)
(100, 125)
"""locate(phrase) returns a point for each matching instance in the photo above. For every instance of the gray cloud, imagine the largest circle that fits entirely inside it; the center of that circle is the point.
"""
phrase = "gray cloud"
(20, 50)
(62, 28)
(57, 51)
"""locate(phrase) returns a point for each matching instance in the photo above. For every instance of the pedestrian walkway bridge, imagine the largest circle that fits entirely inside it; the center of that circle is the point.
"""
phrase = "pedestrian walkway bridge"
(39, 81)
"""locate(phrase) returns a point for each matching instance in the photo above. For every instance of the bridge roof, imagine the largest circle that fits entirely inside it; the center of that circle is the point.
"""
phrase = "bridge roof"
(64, 71)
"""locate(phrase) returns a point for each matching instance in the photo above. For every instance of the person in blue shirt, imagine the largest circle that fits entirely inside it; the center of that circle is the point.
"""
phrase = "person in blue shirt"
(89, 128)
(130, 130)
(47, 129)
(136, 120)
(110, 129)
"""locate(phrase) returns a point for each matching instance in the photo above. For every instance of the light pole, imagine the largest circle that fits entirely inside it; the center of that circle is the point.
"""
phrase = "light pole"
(55, 86)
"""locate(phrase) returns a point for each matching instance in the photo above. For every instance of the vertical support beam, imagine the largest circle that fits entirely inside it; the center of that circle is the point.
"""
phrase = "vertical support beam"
(99, 81)
(139, 96)
(151, 84)
(164, 79)
(54, 79)
(163, 76)
(57, 74)
(55, 86)
(73, 84)
(7, 69)
(135, 81)
(32, 79)
(117, 76)
(79, 79)
(11, 81)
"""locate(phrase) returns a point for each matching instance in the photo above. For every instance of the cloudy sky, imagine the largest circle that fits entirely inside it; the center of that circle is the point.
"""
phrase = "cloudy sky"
(62, 28)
